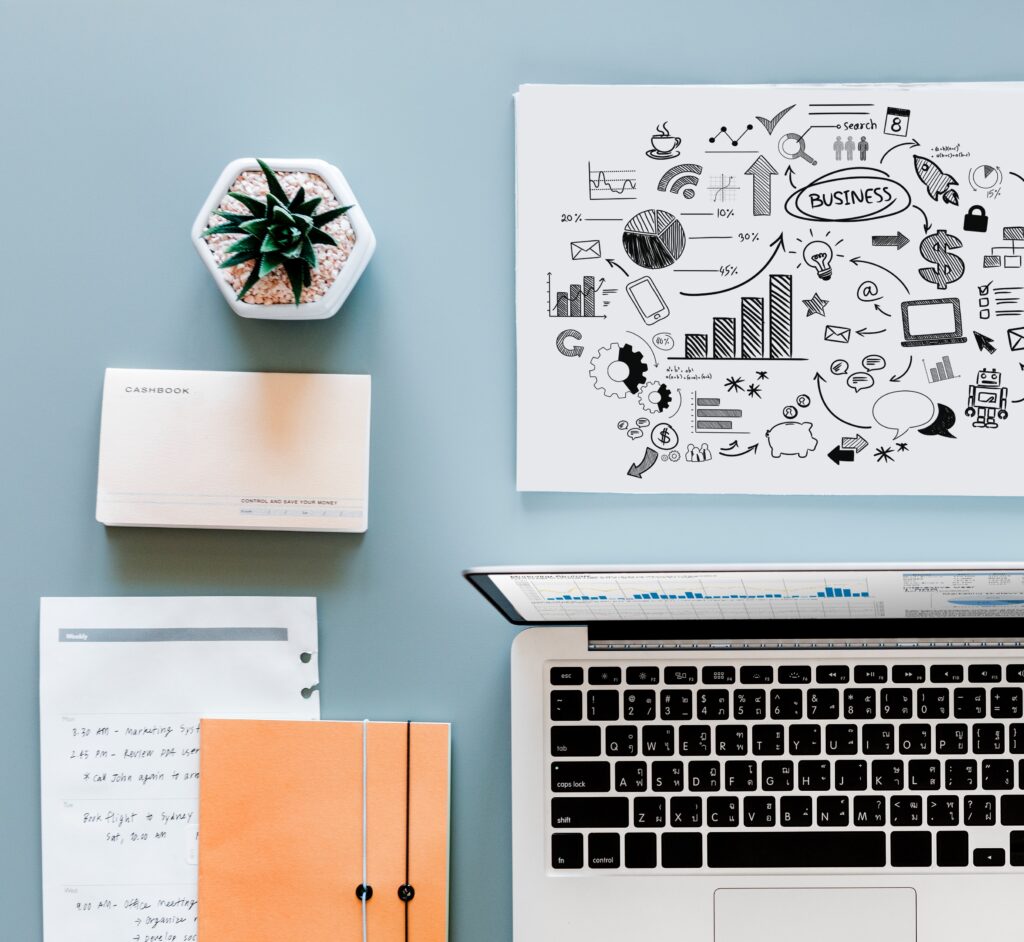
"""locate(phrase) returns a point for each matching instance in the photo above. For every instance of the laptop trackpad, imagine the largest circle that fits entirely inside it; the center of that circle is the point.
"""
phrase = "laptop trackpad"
(810, 915)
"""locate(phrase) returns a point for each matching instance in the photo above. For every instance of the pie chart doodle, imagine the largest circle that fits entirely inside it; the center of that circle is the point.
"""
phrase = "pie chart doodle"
(654, 238)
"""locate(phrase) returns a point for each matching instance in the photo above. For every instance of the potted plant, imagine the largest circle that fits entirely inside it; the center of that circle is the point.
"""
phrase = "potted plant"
(283, 238)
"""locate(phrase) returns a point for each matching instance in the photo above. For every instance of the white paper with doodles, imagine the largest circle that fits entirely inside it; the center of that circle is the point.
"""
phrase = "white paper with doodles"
(122, 685)
(770, 289)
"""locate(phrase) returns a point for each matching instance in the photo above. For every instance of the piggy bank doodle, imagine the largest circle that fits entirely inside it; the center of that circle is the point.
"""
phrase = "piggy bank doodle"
(791, 438)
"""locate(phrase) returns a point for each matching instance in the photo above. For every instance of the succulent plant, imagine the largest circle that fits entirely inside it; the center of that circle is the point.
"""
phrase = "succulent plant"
(278, 233)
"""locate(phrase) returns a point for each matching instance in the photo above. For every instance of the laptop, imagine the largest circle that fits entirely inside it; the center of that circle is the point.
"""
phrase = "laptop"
(779, 754)
(931, 322)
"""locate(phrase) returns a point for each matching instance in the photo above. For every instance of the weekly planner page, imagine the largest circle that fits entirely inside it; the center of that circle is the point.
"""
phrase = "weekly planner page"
(770, 289)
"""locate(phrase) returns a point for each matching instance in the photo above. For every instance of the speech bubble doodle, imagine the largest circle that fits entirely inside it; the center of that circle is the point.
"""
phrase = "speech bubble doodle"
(860, 381)
(945, 419)
(622, 425)
(663, 341)
(839, 367)
(868, 291)
(643, 423)
(634, 433)
(903, 410)
(873, 362)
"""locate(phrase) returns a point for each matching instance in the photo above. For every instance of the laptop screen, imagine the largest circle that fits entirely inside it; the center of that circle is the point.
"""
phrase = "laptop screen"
(787, 593)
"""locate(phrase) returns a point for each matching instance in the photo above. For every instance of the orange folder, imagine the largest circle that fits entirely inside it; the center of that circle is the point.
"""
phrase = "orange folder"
(281, 831)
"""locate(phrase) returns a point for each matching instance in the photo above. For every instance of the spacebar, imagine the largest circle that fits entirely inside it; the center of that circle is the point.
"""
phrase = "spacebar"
(797, 849)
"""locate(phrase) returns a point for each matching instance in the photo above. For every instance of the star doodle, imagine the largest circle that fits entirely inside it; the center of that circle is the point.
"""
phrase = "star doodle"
(734, 384)
(762, 374)
(884, 454)
(815, 305)
(902, 446)
(754, 391)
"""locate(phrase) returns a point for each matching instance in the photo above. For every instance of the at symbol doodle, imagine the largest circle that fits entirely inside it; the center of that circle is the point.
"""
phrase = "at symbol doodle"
(868, 291)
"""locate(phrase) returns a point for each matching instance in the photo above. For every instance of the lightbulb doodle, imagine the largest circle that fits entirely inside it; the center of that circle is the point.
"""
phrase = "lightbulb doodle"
(762, 263)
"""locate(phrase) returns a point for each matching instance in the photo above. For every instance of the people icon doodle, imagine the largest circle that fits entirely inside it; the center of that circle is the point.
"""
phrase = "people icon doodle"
(697, 453)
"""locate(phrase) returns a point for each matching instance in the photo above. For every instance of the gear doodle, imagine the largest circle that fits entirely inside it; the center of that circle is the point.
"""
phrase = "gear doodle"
(617, 370)
(654, 397)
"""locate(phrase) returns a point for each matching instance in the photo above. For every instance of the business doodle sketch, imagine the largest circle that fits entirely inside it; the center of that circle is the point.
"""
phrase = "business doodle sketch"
(760, 263)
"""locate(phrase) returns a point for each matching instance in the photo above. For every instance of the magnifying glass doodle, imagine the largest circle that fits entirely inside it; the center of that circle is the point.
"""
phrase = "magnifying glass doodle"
(792, 145)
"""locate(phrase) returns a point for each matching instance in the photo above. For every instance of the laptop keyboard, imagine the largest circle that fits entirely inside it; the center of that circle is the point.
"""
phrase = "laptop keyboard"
(796, 765)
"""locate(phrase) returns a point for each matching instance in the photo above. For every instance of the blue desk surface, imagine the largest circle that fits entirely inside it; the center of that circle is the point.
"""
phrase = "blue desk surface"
(116, 120)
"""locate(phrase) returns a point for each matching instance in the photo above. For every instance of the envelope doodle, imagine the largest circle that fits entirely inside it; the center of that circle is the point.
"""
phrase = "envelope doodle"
(591, 248)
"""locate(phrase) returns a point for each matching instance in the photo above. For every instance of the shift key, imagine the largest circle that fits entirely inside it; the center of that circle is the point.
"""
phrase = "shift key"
(575, 740)
(589, 812)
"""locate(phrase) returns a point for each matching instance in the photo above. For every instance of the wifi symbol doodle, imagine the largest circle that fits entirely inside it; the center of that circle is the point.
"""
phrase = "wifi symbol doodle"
(679, 176)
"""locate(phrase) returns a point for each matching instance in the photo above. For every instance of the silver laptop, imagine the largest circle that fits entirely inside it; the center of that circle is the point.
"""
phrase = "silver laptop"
(783, 754)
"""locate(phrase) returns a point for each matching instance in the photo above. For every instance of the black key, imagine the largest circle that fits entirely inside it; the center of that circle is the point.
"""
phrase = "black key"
(768, 740)
(641, 851)
(823, 704)
(946, 674)
(648, 812)
(755, 674)
(871, 674)
(676, 705)
(906, 811)
(620, 740)
(590, 812)
(769, 849)
(681, 851)
(1016, 738)
(718, 675)
(567, 677)
(748, 704)
(833, 811)
(667, 777)
(969, 702)
(1017, 848)
(759, 812)
(840, 739)
(567, 850)
(638, 705)
(887, 775)
(795, 811)
(731, 740)
(631, 776)
(924, 775)
(979, 810)
(603, 851)
(685, 812)
(695, 740)
(805, 739)
(859, 704)
(1006, 703)
(604, 676)
(795, 675)
(984, 673)
(868, 811)
(961, 775)
(908, 674)
(1015, 674)
(989, 739)
(575, 741)
(915, 739)
(640, 676)
(713, 704)
(723, 812)
(658, 740)
(740, 776)
(943, 811)
(879, 739)
(566, 705)
(933, 703)
(950, 739)
(897, 703)
(910, 849)
(777, 776)
(1011, 809)
(602, 705)
(680, 675)
(786, 704)
(851, 775)
(705, 777)
(832, 674)
(813, 776)
(997, 775)
(580, 777)
(951, 848)
(989, 857)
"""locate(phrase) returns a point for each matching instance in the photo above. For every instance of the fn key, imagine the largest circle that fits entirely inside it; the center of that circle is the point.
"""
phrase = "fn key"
(567, 852)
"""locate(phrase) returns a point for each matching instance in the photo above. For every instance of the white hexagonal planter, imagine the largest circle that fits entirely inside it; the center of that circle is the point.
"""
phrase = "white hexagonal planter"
(335, 294)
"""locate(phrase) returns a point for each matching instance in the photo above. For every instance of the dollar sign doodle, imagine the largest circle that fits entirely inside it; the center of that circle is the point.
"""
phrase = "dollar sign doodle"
(664, 436)
(948, 267)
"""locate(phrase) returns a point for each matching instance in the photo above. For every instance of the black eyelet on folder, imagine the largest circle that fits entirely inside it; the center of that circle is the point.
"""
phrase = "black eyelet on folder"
(364, 891)
(406, 892)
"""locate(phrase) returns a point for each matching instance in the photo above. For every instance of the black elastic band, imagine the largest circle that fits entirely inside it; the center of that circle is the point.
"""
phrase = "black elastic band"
(405, 891)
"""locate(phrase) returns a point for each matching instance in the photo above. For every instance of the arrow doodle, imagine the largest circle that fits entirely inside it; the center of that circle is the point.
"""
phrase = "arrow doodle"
(650, 459)
(896, 379)
(615, 264)
(864, 332)
(912, 143)
(778, 245)
(878, 308)
(857, 260)
(927, 224)
(819, 379)
(737, 454)
(899, 240)
(761, 171)
(838, 454)
(789, 176)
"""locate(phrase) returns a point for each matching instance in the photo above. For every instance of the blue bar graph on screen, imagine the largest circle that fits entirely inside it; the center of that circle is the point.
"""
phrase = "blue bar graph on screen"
(826, 592)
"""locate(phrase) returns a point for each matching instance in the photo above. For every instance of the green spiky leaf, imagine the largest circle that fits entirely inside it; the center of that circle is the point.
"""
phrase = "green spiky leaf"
(297, 199)
(307, 208)
(223, 228)
(254, 276)
(255, 206)
(320, 237)
(275, 185)
(296, 272)
(330, 215)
